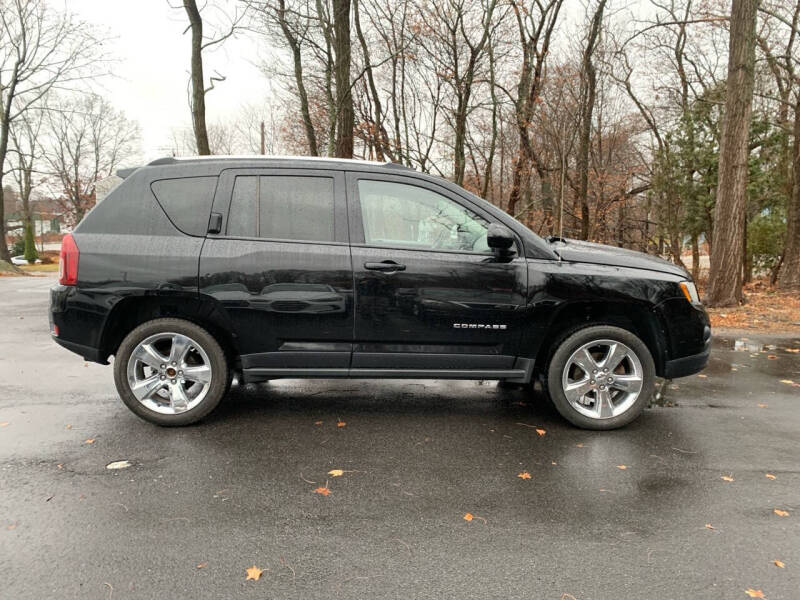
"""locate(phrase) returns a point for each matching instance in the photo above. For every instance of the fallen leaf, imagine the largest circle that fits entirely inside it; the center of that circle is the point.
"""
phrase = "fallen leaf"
(340, 423)
(579, 445)
(89, 441)
(779, 563)
(710, 526)
(770, 476)
(772, 357)
(468, 517)
(702, 376)
(336, 473)
(762, 406)
(4, 424)
(622, 467)
(322, 490)
(11, 527)
(524, 475)
(727, 478)
(118, 464)
(68, 427)
(253, 573)
(317, 422)
(203, 565)
(781, 513)
(754, 593)
(787, 381)
(60, 465)
(541, 431)
(793, 350)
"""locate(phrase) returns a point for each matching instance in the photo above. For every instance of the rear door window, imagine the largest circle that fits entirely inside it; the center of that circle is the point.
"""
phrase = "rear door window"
(187, 201)
(282, 207)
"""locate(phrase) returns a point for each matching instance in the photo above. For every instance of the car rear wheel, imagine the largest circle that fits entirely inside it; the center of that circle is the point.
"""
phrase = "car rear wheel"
(170, 372)
(600, 377)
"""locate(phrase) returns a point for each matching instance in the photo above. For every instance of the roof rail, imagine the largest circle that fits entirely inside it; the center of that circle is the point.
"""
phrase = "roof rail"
(166, 160)
(397, 165)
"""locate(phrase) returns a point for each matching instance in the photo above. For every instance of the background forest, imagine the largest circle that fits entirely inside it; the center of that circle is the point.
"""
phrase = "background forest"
(597, 120)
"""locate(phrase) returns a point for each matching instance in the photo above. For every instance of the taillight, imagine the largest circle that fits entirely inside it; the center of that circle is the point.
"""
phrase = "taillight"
(68, 264)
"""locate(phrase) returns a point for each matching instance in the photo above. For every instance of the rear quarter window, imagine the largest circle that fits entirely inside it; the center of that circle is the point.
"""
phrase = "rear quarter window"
(187, 201)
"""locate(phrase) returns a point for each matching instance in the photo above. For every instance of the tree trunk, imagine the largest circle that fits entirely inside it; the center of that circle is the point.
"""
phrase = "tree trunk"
(294, 44)
(695, 258)
(198, 106)
(345, 116)
(725, 279)
(587, 109)
(789, 277)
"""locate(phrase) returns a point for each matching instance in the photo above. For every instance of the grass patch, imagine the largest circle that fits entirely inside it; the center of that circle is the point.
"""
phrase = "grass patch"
(43, 268)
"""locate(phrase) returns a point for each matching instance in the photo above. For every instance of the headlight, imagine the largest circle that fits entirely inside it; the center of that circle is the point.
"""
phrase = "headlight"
(690, 291)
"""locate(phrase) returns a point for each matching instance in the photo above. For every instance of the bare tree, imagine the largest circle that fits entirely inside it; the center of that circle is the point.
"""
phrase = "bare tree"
(588, 90)
(27, 152)
(88, 140)
(535, 32)
(725, 279)
(40, 49)
(199, 43)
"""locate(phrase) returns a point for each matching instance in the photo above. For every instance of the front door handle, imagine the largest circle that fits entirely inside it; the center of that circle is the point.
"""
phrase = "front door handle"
(386, 266)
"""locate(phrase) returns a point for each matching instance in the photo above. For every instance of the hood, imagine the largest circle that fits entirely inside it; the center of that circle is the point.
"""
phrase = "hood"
(600, 254)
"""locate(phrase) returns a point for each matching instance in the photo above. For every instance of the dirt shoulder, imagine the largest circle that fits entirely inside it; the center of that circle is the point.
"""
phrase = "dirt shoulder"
(765, 310)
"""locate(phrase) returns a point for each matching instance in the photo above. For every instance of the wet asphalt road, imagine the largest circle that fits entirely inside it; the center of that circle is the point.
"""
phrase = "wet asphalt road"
(238, 490)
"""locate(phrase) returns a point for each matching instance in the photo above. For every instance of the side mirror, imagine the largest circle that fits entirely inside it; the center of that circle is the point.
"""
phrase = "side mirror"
(500, 239)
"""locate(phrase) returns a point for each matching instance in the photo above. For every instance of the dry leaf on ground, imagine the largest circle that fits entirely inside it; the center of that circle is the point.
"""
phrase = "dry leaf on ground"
(781, 513)
(710, 526)
(340, 424)
(779, 563)
(202, 565)
(754, 593)
(335, 472)
(468, 517)
(4, 424)
(622, 467)
(253, 573)
(322, 490)
(524, 475)
(89, 441)
(317, 422)
(541, 431)
(769, 476)
(118, 464)
(727, 478)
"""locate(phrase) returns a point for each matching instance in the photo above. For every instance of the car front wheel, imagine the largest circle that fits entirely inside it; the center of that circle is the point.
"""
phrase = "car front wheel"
(600, 377)
(170, 372)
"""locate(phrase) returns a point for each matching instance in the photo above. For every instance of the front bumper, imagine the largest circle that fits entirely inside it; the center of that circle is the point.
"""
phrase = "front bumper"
(689, 365)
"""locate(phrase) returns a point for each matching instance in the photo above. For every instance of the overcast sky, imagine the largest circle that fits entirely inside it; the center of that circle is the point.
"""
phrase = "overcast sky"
(152, 67)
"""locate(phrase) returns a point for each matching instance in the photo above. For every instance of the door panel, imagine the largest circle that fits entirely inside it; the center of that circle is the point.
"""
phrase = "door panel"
(290, 302)
(432, 308)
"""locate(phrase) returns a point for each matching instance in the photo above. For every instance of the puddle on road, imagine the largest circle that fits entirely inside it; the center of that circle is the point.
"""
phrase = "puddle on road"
(755, 346)
(742, 356)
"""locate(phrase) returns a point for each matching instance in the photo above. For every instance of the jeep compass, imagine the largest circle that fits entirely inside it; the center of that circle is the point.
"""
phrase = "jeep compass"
(193, 271)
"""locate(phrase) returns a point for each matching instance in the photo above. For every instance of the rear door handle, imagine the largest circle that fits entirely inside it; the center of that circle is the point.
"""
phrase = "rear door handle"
(386, 266)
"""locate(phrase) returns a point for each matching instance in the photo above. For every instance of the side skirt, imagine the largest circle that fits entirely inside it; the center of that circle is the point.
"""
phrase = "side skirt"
(518, 375)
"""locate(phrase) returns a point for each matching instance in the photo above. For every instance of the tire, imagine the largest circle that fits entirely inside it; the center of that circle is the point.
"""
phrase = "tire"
(600, 400)
(150, 383)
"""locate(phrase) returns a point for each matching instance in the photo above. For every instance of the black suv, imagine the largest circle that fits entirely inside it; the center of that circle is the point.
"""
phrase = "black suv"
(193, 270)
